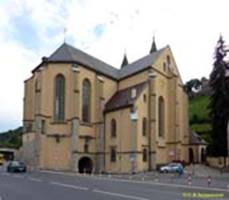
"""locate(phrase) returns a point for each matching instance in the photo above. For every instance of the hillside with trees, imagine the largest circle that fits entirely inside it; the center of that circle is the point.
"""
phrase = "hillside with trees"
(199, 112)
(11, 138)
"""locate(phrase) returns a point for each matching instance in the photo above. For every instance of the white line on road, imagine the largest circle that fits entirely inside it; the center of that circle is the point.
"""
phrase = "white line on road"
(119, 195)
(144, 182)
(17, 176)
(69, 186)
(35, 179)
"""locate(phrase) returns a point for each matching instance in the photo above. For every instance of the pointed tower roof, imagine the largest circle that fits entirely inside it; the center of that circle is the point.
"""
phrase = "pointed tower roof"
(153, 47)
(124, 61)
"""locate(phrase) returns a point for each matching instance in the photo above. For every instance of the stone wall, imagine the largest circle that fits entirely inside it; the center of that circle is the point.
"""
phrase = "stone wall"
(217, 162)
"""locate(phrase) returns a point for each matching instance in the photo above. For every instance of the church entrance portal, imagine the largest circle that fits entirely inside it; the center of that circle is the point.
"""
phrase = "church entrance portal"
(85, 165)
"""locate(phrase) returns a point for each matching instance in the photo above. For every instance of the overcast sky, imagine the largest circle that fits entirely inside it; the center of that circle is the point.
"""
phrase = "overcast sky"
(30, 29)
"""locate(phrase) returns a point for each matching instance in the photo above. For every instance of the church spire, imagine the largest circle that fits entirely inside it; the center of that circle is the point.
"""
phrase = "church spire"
(124, 61)
(153, 47)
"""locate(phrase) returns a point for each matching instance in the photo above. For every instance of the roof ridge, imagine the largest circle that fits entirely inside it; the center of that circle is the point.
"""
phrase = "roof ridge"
(156, 52)
(133, 86)
(69, 53)
(74, 48)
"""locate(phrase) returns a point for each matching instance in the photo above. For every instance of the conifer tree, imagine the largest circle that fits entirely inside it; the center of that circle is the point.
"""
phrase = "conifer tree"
(219, 104)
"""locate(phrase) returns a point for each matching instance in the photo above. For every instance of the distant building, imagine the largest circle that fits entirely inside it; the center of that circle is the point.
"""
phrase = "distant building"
(197, 148)
(82, 114)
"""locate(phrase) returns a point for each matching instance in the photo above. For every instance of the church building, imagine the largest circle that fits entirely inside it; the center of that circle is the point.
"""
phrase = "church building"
(84, 115)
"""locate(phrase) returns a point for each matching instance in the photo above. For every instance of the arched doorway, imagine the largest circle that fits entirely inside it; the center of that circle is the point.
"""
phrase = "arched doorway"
(191, 155)
(85, 164)
(203, 155)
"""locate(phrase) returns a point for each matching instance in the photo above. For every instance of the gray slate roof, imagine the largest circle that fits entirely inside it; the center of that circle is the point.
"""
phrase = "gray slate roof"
(122, 98)
(67, 53)
(140, 64)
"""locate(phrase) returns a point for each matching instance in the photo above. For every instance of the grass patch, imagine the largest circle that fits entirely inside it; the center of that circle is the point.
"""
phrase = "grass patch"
(198, 109)
(201, 128)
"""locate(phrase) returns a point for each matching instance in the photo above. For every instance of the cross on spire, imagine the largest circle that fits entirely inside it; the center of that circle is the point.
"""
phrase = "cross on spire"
(65, 30)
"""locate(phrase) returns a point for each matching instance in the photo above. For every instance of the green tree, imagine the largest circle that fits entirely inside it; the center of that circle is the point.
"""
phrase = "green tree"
(192, 84)
(219, 102)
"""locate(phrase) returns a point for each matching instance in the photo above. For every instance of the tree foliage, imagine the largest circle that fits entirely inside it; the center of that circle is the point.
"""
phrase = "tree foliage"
(11, 138)
(219, 101)
(192, 84)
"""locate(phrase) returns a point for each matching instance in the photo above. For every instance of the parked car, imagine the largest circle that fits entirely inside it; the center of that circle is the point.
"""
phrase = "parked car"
(16, 166)
(172, 168)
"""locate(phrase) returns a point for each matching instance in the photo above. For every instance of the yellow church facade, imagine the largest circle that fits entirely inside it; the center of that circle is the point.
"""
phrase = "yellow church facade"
(83, 115)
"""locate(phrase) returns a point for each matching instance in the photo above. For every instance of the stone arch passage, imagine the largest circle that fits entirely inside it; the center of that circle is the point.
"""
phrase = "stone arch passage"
(85, 164)
(191, 155)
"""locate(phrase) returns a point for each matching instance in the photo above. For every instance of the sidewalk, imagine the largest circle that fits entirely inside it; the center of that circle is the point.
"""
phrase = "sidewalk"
(198, 170)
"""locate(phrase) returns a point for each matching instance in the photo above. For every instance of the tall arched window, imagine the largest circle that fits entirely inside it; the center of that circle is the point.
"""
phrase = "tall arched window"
(164, 66)
(168, 60)
(144, 126)
(161, 117)
(113, 128)
(113, 154)
(144, 155)
(86, 101)
(59, 98)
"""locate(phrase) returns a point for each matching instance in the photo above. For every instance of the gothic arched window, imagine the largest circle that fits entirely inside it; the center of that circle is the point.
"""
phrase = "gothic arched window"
(161, 117)
(168, 60)
(59, 98)
(113, 154)
(144, 155)
(113, 128)
(86, 101)
(144, 126)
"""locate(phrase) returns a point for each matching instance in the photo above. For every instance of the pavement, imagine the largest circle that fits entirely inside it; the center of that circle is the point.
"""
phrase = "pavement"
(42, 185)
(198, 170)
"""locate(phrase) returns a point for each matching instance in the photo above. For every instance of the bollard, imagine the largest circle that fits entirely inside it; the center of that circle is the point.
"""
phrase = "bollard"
(84, 172)
(156, 178)
(100, 173)
(92, 172)
(209, 181)
(189, 180)
(143, 177)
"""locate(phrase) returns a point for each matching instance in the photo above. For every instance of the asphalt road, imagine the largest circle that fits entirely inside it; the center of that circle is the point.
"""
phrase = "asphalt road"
(52, 186)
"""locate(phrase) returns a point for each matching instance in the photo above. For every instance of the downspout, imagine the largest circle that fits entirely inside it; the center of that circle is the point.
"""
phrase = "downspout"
(151, 75)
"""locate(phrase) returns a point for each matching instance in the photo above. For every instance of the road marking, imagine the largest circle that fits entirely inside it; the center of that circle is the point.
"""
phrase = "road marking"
(17, 176)
(35, 179)
(141, 182)
(59, 173)
(168, 184)
(119, 195)
(69, 186)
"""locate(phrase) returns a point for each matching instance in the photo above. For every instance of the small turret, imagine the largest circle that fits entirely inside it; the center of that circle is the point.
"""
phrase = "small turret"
(153, 47)
(124, 61)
